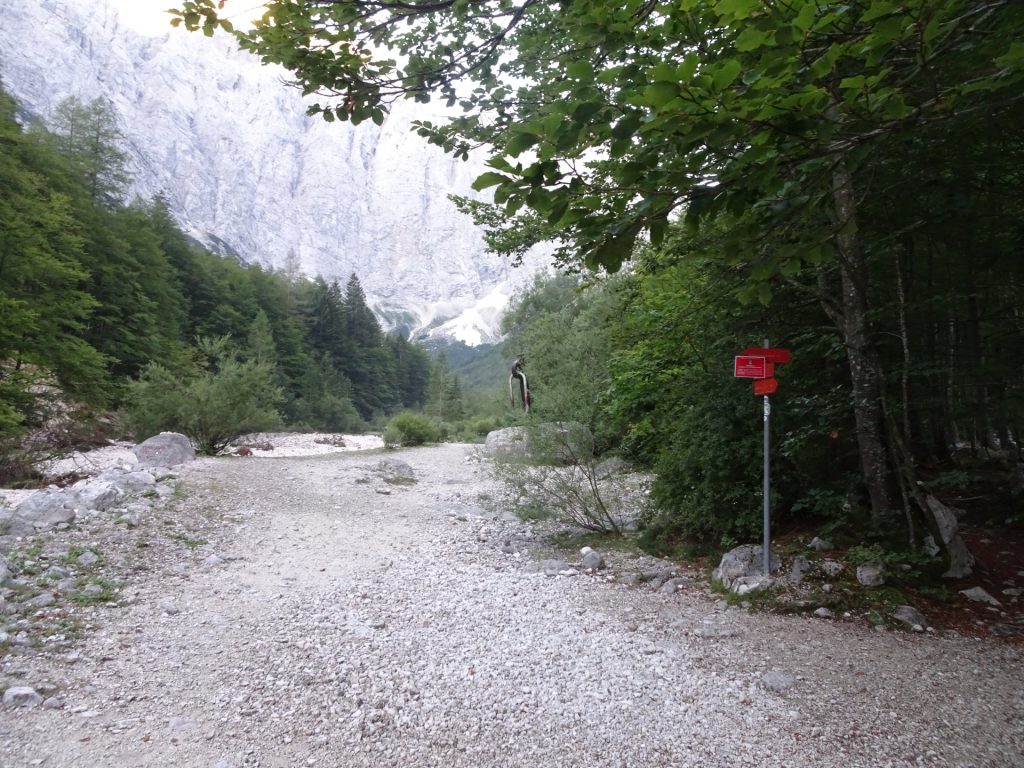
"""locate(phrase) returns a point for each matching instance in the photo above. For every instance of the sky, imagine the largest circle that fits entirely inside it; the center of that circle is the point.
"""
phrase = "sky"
(150, 17)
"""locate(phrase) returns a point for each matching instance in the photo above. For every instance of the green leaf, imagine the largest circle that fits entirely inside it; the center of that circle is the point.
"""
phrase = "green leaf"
(684, 72)
(580, 70)
(489, 179)
(751, 39)
(659, 94)
(736, 9)
(519, 143)
(726, 74)
(878, 9)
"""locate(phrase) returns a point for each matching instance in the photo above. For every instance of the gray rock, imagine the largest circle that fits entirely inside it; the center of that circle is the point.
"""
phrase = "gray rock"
(506, 443)
(712, 630)
(92, 590)
(396, 469)
(979, 595)
(42, 511)
(135, 482)
(592, 561)
(831, 568)
(961, 561)
(747, 584)
(547, 567)
(5, 570)
(743, 561)
(88, 558)
(871, 574)
(910, 616)
(43, 600)
(169, 607)
(164, 450)
(800, 566)
(823, 613)
(673, 585)
(820, 545)
(22, 696)
(53, 703)
(212, 561)
(777, 681)
(98, 496)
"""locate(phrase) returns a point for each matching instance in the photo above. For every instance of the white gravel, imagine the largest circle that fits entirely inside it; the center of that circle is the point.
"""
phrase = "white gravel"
(302, 611)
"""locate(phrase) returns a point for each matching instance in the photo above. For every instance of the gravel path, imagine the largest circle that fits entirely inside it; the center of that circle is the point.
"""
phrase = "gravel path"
(304, 612)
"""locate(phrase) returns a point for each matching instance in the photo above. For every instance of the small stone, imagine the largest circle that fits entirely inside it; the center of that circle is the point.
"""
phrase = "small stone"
(673, 585)
(592, 561)
(22, 696)
(88, 558)
(823, 613)
(871, 574)
(820, 545)
(979, 595)
(169, 607)
(777, 681)
(831, 568)
(910, 616)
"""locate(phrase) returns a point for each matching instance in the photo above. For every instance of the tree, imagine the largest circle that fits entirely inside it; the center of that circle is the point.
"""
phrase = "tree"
(44, 306)
(89, 136)
(605, 120)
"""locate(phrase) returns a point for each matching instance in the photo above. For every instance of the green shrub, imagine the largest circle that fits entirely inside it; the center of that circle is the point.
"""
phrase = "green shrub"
(409, 428)
(212, 403)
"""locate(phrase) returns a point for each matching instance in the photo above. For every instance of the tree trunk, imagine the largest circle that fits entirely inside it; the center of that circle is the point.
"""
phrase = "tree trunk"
(864, 373)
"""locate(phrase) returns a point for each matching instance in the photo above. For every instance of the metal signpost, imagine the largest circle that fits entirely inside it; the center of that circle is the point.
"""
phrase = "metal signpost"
(758, 363)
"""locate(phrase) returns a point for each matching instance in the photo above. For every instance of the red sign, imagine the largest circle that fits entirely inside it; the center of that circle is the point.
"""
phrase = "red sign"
(750, 367)
(765, 386)
(768, 353)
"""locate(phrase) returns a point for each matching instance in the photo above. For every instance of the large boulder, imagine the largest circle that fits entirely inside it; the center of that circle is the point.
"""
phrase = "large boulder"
(961, 561)
(506, 443)
(98, 496)
(743, 566)
(164, 450)
(42, 511)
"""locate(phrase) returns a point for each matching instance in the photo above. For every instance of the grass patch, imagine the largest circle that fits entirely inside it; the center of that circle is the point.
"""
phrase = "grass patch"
(188, 541)
(576, 540)
(77, 551)
(95, 591)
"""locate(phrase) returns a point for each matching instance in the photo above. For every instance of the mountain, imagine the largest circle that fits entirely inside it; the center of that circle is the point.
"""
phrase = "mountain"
(245, 171)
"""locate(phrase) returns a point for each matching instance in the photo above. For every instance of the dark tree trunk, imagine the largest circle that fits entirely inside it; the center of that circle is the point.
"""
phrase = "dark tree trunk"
(864, 369)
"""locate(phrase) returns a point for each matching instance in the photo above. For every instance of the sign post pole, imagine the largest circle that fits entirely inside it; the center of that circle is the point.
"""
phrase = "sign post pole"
(759, 364)
(766, 549)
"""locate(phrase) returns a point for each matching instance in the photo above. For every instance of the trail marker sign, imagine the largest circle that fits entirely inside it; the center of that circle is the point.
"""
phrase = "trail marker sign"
(769, 354)
(758, 363)
(750, 367)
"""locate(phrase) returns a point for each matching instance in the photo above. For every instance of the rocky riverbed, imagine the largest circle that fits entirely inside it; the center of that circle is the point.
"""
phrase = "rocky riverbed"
(361, 608)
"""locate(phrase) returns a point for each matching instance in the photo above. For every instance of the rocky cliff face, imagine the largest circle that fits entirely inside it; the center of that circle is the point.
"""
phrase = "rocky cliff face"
(230, 147)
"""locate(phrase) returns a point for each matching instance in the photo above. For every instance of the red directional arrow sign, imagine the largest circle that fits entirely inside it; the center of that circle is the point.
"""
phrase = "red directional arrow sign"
(768, 353)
